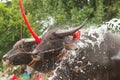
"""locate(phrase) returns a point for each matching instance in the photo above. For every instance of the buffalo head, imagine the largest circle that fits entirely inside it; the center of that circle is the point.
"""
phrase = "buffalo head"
(53, 41)
(21, 46)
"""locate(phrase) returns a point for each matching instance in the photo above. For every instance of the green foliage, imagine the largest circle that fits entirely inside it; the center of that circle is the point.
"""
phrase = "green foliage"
(118, 9)
(99, 13)
(65, 12)
(10, 21)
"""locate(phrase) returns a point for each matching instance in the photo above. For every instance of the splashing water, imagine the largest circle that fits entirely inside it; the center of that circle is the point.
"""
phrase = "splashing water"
(113, 24)
(89, 38)
(47, 23)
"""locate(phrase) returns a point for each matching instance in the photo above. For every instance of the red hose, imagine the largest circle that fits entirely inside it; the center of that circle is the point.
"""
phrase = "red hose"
(27, 23)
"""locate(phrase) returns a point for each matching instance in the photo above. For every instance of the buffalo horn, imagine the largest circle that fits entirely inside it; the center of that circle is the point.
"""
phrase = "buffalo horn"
(63, 33)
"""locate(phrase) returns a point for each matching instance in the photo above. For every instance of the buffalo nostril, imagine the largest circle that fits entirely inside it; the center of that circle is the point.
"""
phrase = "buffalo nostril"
(76, 49)
(4, 58)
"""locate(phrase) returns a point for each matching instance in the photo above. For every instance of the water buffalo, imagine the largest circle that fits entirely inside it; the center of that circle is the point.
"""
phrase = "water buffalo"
(53, 43)
(94, 57)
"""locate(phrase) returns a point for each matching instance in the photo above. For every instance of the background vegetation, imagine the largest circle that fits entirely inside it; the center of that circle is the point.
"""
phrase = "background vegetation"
(65, 12)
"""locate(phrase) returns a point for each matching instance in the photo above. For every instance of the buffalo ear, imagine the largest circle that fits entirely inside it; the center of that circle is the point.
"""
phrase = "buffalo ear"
(70, 46)
(63, 33)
